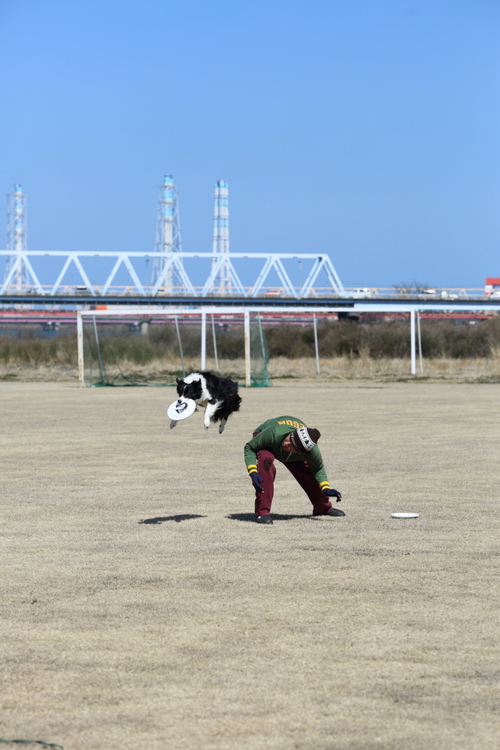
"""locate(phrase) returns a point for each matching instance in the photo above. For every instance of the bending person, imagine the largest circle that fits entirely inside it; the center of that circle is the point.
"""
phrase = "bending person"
(288, 440)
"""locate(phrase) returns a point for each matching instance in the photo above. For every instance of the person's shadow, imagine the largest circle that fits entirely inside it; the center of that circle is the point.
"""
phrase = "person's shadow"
(276, 516)
(177, 519)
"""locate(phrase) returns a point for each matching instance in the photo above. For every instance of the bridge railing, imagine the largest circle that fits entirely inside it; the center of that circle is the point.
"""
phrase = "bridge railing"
(268, 292)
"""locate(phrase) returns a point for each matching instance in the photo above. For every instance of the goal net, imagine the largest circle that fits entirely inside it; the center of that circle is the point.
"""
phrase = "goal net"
(119, 347)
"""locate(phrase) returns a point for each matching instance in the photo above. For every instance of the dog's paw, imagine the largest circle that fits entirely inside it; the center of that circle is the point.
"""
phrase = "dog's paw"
(221, 426)
(172, 424)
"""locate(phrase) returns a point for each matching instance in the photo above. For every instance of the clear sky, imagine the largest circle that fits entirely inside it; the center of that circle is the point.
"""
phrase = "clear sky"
(367, 129)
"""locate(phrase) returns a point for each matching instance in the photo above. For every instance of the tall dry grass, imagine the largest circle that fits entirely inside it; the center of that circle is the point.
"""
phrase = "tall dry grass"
(479, 369)
(347, 350)
(386, 339)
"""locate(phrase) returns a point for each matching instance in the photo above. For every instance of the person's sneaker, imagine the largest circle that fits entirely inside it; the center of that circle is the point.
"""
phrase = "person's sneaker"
(264, 519)
(331, 512)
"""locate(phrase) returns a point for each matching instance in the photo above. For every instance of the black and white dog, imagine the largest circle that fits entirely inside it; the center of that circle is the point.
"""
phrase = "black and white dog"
(219, 396)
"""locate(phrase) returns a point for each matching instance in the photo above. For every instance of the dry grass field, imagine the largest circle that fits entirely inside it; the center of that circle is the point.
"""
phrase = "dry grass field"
(441, 369)
(142, 608)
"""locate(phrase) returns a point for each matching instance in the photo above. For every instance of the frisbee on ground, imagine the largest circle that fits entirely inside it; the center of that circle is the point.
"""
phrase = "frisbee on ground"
(405, 515)
(181, 409)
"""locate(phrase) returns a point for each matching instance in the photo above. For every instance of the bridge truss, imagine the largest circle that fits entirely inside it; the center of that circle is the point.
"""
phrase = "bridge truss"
(220, 266)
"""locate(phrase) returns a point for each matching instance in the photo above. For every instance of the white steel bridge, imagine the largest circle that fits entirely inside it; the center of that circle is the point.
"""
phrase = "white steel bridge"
(221, 265)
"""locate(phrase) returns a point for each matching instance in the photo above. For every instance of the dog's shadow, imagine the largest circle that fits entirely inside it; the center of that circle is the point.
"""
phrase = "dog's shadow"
(276, 516)
(177, 519)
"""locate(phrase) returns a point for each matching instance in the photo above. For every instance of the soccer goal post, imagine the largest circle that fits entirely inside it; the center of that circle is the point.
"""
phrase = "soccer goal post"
(151, 346)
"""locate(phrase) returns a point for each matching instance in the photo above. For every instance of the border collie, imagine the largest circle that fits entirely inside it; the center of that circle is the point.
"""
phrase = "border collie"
(219, 396)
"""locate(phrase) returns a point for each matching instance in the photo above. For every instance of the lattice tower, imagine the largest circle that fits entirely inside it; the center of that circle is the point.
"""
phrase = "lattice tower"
(16, 240)
(168, 236)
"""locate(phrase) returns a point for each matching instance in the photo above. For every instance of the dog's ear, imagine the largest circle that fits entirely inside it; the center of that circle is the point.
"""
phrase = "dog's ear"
(177, 381)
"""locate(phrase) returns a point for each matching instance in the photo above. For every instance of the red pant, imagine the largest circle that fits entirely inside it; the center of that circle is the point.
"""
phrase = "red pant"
(303, 475)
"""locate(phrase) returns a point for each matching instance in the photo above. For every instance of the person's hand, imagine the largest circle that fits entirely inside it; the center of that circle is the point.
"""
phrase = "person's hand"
(257, 481)
(332, 493)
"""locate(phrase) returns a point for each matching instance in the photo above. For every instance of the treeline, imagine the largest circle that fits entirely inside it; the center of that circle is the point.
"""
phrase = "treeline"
(378, 339)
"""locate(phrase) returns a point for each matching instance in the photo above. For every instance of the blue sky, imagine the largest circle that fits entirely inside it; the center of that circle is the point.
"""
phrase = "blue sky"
(367, 129)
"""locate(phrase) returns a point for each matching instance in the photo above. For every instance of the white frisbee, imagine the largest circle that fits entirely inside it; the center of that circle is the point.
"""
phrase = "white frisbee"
(405, 515)
(181, 409)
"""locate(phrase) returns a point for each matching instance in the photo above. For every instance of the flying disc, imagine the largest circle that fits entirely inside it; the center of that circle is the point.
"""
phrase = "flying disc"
(181, 409)
(405, 515)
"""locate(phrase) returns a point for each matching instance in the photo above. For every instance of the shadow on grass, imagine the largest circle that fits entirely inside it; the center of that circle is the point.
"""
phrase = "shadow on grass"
(276, 516)
(177, 519)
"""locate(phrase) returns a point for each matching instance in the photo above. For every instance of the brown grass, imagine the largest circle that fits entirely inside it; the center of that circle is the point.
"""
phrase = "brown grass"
(485, 369)
(366, 368)
(142, 609)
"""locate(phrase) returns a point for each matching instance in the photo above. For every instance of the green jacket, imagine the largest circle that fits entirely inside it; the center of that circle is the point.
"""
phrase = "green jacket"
(270, 437)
